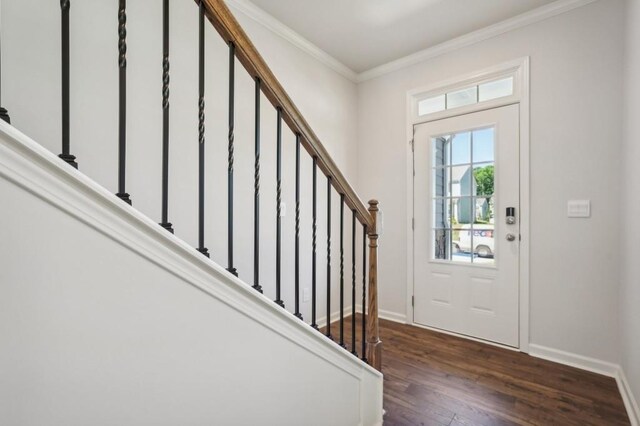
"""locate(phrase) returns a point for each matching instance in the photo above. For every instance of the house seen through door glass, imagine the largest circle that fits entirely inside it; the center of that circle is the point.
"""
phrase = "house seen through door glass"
(463, 197)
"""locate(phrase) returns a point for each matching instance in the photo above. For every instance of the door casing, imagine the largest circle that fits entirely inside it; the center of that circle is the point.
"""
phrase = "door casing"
(520, 69)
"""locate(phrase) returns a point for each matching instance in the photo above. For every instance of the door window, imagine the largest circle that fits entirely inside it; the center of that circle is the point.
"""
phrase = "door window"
(463, 196)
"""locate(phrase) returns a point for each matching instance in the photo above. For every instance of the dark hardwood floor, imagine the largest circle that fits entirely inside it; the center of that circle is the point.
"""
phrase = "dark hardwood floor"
(435, 379)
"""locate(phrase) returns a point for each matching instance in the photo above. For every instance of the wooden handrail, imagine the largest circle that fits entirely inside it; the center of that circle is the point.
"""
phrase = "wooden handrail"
(228, 27)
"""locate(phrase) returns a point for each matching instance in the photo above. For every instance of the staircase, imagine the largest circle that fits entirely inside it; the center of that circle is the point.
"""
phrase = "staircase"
(112, 317)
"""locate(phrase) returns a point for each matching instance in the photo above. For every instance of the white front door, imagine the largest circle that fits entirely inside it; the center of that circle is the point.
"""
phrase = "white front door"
(466, 231)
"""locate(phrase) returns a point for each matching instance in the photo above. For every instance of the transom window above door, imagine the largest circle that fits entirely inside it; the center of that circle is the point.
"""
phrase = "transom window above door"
(463, 199)
(482, 92)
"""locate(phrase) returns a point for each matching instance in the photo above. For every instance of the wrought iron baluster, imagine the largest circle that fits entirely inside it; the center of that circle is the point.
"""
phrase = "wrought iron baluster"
(65, 5)
(364, 293)
(313, 245)
(232, 61)
(201, 133)
(328, 326)
(297, 232)
(165, 117)
(256, 195)
(122, 113)
(279, 209)
(353, 284)
(342, 271)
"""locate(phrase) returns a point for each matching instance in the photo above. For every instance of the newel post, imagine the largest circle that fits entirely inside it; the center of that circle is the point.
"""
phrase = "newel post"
(374, 345)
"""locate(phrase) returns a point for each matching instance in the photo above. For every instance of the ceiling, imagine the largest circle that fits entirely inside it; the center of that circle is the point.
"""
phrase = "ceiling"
(363, 34)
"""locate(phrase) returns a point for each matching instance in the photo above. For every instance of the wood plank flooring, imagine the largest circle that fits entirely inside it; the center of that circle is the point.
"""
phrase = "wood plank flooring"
(432, 378)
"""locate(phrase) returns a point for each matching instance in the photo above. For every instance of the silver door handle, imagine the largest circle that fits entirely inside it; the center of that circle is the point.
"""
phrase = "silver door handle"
(511, 237)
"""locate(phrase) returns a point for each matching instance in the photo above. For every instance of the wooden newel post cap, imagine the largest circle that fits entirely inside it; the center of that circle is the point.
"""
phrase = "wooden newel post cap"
(373, 211)
(373, 208)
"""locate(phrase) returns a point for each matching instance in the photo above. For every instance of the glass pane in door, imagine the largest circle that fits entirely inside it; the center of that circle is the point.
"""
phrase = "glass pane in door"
(461, 148)
(463, 197)
(442, 244)
(483, 145)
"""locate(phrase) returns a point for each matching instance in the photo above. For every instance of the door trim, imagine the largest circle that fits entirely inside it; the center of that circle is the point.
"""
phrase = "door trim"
(521, 97)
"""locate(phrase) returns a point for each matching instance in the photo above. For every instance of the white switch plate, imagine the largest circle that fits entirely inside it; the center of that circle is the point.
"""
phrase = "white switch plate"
(306, 295)
(283, 209)
(579, 208)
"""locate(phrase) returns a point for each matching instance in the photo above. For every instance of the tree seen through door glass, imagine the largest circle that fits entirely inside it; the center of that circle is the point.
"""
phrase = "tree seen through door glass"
(463, 197)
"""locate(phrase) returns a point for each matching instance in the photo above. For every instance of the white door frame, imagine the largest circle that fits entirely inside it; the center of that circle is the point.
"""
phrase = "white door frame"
(520, 70)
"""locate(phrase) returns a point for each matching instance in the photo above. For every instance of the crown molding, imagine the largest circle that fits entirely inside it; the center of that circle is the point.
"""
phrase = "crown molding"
(558, 7)
(544, 12)
(249, 9)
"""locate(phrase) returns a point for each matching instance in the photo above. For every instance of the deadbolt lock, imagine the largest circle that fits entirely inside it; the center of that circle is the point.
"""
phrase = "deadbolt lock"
(511, 216)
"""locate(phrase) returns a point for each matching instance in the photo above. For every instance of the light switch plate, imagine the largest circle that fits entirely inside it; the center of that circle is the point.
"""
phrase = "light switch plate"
(579, 208)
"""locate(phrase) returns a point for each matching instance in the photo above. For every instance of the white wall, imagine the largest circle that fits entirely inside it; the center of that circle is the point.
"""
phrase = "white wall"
(630, 281)
(122, 323)
(31, 92)
(576, 63)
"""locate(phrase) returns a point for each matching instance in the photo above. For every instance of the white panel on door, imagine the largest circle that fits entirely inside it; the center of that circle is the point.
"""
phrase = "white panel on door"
(482, 295)
(441, 288)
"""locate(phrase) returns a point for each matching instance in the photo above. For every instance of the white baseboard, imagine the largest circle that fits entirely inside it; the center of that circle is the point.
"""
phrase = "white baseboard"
(595, 366)
(392, 316)
(630, 403)
(387, 315)
(574, 360)
(335, 316)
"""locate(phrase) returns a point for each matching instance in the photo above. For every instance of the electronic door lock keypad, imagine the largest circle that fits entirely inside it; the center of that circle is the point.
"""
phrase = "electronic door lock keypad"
(511, 216)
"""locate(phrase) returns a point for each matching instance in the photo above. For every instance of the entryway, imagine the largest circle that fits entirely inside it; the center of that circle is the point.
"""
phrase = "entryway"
(467, 227)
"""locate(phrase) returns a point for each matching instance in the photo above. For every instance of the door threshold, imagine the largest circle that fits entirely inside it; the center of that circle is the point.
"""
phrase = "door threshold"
(464, 336)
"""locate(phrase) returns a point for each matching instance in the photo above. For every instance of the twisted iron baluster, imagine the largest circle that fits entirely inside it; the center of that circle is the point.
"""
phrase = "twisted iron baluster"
(201, 132)
(297, 233)
(165, 117)
(256, 189)
(232, 58)
(279, 208)
(122, 116)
